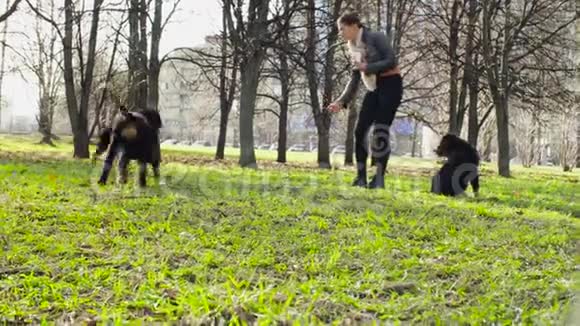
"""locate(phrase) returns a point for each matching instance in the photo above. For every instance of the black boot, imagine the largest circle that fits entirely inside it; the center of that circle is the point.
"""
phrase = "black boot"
(378, 180)
(361, 176)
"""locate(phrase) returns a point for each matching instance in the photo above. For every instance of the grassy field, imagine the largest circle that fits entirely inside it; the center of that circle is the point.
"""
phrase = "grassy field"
(285, 244)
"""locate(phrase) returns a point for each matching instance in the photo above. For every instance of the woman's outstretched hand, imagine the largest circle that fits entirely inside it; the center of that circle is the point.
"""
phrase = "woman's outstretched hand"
(334, 107)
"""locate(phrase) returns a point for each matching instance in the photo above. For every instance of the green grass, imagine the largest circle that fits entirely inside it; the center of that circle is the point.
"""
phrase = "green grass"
(287, 244)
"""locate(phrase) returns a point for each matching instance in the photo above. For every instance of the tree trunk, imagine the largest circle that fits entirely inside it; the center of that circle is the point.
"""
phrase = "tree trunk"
(472, 75)
(349, 144)
(284, 76)
(503, 141)
(473, 122)
(488, 139)
(379, 16)
(226, 104)
(577, 127)
(454, 73)
(224, 108)
(143, 70)
(250, 74)
(461, 108)
(221, 143)
(311, 73)
(253, 56)
(414, 139)
(154, 64)
(577, 95)
(9, 10)
(133, 60)
(227, 90)
(98, 115)
(390, 14)
(502, 115)
(322, 117)
(3, 60)
(324, 120)
(324, 144)
(283, 118)
(282, 131)
(44, 118)
(499, 85)
(81, 146)
(88, 80)
(540, 148)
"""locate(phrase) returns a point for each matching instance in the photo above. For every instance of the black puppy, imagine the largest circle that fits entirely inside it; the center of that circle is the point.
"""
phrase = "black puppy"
(461, 168)
(135, 136)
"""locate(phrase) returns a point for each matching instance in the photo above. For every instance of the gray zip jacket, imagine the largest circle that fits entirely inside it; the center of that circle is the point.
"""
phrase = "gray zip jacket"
(379, 58)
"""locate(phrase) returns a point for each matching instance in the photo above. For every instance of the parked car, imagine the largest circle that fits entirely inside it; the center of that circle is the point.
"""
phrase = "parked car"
(205, 143)
(297, 148)
(169, 142)
(184, 143)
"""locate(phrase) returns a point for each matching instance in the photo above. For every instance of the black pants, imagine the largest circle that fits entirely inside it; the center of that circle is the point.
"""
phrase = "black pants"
(378, 108)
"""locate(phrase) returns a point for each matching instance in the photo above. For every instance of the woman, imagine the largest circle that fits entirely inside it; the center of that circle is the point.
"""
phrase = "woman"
(375, 63)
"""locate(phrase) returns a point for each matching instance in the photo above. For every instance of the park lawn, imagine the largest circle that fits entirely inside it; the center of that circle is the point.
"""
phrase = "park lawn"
(292, 244)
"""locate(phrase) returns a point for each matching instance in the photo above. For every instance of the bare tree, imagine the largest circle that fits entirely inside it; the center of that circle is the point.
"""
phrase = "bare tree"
(326, 50)
(3, 57)
(281, 68)
(442, 24)
(568, 146)
(10, 9)
(100, 116)
(506, 26)
(133, 54)
(471, 75)
(526, 129)
(249, 42)
(219, 62)
(44, 63)
(578, 82)
(77, 110)
(154, 62)
(144, 68)
(227, 88)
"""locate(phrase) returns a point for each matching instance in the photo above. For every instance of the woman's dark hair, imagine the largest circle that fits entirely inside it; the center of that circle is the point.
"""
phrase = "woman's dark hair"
(350, 19)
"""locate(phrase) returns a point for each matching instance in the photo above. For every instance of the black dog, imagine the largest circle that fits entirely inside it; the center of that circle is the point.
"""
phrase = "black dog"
(461, 168)
(134, 135)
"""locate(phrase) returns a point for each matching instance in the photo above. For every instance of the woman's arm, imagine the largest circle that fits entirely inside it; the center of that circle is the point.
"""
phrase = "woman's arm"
(388, 60)
(351, 88)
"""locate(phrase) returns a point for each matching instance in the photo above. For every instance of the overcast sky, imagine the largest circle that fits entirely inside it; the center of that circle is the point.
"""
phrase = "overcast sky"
(194, 20)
